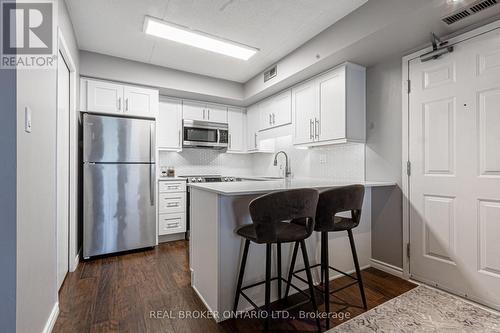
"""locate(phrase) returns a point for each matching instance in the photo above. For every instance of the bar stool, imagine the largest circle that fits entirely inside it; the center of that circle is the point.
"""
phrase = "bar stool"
(279, 217)
(331, 202)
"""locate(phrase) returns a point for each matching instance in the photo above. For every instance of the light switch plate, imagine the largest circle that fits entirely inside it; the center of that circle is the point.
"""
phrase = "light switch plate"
(27, 119)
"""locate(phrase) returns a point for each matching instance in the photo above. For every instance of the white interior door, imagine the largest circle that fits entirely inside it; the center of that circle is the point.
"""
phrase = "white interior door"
(63, 100)
(455, 180)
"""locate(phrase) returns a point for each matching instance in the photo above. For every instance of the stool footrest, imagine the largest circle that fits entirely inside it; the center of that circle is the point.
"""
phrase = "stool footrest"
(281, 279)
(332, 268)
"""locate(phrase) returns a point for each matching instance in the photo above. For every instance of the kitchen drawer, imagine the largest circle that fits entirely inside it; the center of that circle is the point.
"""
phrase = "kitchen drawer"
(172, 202)
(171, 223)
(172, 186)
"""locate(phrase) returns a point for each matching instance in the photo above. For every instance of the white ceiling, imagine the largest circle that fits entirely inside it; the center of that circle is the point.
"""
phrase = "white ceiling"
(276, 27)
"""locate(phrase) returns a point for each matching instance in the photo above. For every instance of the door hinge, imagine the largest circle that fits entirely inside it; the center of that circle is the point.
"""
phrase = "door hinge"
(408, 168)
(408, 84)
(408, 250)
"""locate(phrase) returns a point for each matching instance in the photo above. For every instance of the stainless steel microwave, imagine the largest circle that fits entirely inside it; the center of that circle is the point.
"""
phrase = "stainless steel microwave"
(204, 134)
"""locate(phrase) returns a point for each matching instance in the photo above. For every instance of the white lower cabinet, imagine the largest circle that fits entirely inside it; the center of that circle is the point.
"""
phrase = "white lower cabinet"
(171, 206)
(171, 223)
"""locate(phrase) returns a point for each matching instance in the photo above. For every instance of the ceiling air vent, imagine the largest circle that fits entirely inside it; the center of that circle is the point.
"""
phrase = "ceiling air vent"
(472, 9)
(270, 73)
(456, 17)
(483, 5)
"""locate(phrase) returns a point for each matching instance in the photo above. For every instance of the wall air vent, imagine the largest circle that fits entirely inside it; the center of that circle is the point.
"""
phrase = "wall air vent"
(270, 73)
(475, 7)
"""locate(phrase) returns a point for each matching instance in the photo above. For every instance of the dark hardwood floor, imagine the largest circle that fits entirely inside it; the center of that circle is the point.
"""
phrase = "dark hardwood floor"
(118, 293)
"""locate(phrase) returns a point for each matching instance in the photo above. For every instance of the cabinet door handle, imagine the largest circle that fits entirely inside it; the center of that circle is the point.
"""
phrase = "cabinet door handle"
(255, 140)
(270, 119)
(316, 127)
(126, 104)
(203, 113)
(311, 135)
(230, 141)
(119, 103)
(172, 225)
(173, 204)
(274, 118)
(179, 138)
(208, 111)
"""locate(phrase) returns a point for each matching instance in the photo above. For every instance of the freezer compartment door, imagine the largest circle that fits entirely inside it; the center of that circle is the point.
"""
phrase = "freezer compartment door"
(119, 208)
(108, 139)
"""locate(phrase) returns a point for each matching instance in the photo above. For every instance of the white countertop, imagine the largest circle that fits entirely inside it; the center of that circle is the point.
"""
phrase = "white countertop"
(265, 186)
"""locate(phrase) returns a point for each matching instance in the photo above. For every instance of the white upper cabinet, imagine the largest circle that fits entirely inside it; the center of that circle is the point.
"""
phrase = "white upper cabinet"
(236, 123)
(253, 119)
(113, 98)
(169, 124)
(305, 111)
(194, 110)
(217, 113)
(104, 97)
(331, 108)
(140, 101)
(276, 111)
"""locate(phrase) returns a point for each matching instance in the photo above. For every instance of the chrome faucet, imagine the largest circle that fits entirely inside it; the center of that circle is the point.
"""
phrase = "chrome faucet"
(287, 167)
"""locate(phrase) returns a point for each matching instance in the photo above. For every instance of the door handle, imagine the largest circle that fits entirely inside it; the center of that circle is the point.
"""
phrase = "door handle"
(316, 127)
(152, 164)
(311, 135)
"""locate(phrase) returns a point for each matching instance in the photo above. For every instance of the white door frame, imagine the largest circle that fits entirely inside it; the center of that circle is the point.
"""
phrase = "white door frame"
(405, 131)
(73, 153)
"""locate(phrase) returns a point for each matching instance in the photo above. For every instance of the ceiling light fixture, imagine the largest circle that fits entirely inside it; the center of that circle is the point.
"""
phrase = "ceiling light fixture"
(162, 29)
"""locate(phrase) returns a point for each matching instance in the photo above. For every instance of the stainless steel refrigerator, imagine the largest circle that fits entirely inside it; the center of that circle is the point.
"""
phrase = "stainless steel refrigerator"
(118, 184)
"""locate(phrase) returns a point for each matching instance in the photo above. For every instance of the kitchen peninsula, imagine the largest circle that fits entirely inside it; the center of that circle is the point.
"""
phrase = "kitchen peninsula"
(217, 209)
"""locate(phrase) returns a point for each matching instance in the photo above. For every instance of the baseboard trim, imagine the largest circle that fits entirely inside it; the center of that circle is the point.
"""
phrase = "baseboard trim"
(76, 261)
(171, 237)
(215, 315)
(388, 268)
(52, 319)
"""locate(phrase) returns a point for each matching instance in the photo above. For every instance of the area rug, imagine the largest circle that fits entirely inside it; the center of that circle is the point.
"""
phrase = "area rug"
(423, 309)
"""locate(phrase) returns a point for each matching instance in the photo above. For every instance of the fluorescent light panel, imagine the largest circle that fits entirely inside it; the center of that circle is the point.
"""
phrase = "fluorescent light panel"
(162, 29)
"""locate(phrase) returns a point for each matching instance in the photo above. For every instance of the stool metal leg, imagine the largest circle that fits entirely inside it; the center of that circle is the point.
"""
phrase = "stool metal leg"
(358, 271)
(292, 267)
(240, 276)
(278, 245)
(268, 285)
(326, 277)
(310, 281)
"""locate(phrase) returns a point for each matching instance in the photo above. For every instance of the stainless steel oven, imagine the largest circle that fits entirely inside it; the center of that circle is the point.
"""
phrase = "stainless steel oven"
(203, 134)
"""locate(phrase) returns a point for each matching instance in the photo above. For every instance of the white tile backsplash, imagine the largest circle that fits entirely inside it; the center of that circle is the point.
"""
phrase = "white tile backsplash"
(344, 162)
(207, 162)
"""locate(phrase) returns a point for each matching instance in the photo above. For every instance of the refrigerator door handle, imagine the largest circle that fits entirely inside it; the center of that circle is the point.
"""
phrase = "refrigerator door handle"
(152, 166)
